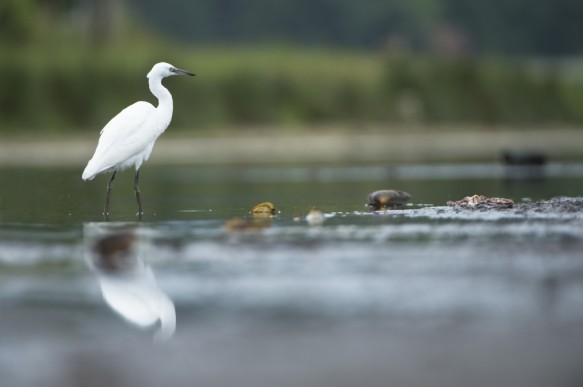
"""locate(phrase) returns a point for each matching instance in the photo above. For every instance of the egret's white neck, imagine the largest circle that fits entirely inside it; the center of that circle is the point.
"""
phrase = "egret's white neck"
(162, 93)
(164, 110)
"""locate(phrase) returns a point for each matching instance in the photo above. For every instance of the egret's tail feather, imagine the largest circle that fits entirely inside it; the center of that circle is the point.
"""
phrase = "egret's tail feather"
(87, 176)
(89, 172)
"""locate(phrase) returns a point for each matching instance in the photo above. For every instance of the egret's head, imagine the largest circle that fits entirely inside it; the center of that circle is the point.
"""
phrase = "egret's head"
(163, 70)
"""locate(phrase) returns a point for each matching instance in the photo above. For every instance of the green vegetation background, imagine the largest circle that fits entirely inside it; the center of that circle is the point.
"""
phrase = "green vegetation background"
(55, 78)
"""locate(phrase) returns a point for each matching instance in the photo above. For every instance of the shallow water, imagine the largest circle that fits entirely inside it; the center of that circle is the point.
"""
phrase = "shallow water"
(423, 294)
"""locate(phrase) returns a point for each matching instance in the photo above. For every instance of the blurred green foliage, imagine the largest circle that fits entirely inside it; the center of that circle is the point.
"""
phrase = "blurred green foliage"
(15, 23)
(485, 91)
(57, 76)
(509, 27)
(55, 88)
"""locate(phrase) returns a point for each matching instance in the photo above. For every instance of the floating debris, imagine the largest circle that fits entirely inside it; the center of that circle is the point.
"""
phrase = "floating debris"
(481, 201)
(387, 199)
(263, 209)
(315, 217)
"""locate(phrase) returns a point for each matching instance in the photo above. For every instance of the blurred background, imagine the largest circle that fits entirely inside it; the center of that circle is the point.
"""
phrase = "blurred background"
(68, 66)
(302, 103)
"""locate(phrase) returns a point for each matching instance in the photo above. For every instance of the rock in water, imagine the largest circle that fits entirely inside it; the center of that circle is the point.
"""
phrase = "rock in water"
(387, 199)
(263, 209)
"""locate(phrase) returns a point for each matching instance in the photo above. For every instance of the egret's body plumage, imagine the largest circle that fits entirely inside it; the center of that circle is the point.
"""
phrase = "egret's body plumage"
(125, 141)
(128, 138)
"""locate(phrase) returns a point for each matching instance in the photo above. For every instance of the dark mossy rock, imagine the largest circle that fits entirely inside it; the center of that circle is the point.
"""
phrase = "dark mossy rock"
(387, 199)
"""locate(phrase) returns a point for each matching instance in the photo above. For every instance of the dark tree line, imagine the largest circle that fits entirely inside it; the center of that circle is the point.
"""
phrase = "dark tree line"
(516, 27)
(542, 27)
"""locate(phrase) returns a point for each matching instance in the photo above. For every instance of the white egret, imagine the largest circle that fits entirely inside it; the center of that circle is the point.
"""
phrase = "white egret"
(127, 140)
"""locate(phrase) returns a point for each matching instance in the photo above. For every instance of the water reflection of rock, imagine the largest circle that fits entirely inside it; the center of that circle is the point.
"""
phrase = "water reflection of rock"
(115, 255)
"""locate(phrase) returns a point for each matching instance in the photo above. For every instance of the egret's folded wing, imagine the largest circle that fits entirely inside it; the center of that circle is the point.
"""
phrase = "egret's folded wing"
(122, 138)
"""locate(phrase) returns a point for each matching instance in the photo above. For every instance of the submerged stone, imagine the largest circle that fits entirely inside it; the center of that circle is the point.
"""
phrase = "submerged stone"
(315, 217)
(244, 224)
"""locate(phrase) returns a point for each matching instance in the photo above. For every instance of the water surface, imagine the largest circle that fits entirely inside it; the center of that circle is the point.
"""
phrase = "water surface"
(423, 294)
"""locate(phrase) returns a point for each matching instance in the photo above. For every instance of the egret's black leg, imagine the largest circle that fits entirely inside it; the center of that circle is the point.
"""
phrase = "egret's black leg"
(109, 187)
(138, 194)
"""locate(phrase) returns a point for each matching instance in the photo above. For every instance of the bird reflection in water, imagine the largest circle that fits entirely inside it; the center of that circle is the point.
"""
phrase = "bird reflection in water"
(114, 254)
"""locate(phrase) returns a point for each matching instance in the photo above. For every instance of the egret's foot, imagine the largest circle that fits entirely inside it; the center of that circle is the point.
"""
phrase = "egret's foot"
(139, 214)
(106, 216)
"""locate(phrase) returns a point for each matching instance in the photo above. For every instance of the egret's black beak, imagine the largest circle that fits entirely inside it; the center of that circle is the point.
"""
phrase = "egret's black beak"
(181, 72)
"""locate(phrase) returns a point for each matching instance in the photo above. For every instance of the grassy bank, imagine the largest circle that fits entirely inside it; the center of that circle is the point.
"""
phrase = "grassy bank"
(51, 88)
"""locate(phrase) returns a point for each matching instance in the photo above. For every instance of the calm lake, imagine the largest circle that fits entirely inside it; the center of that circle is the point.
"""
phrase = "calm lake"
(425, 294)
